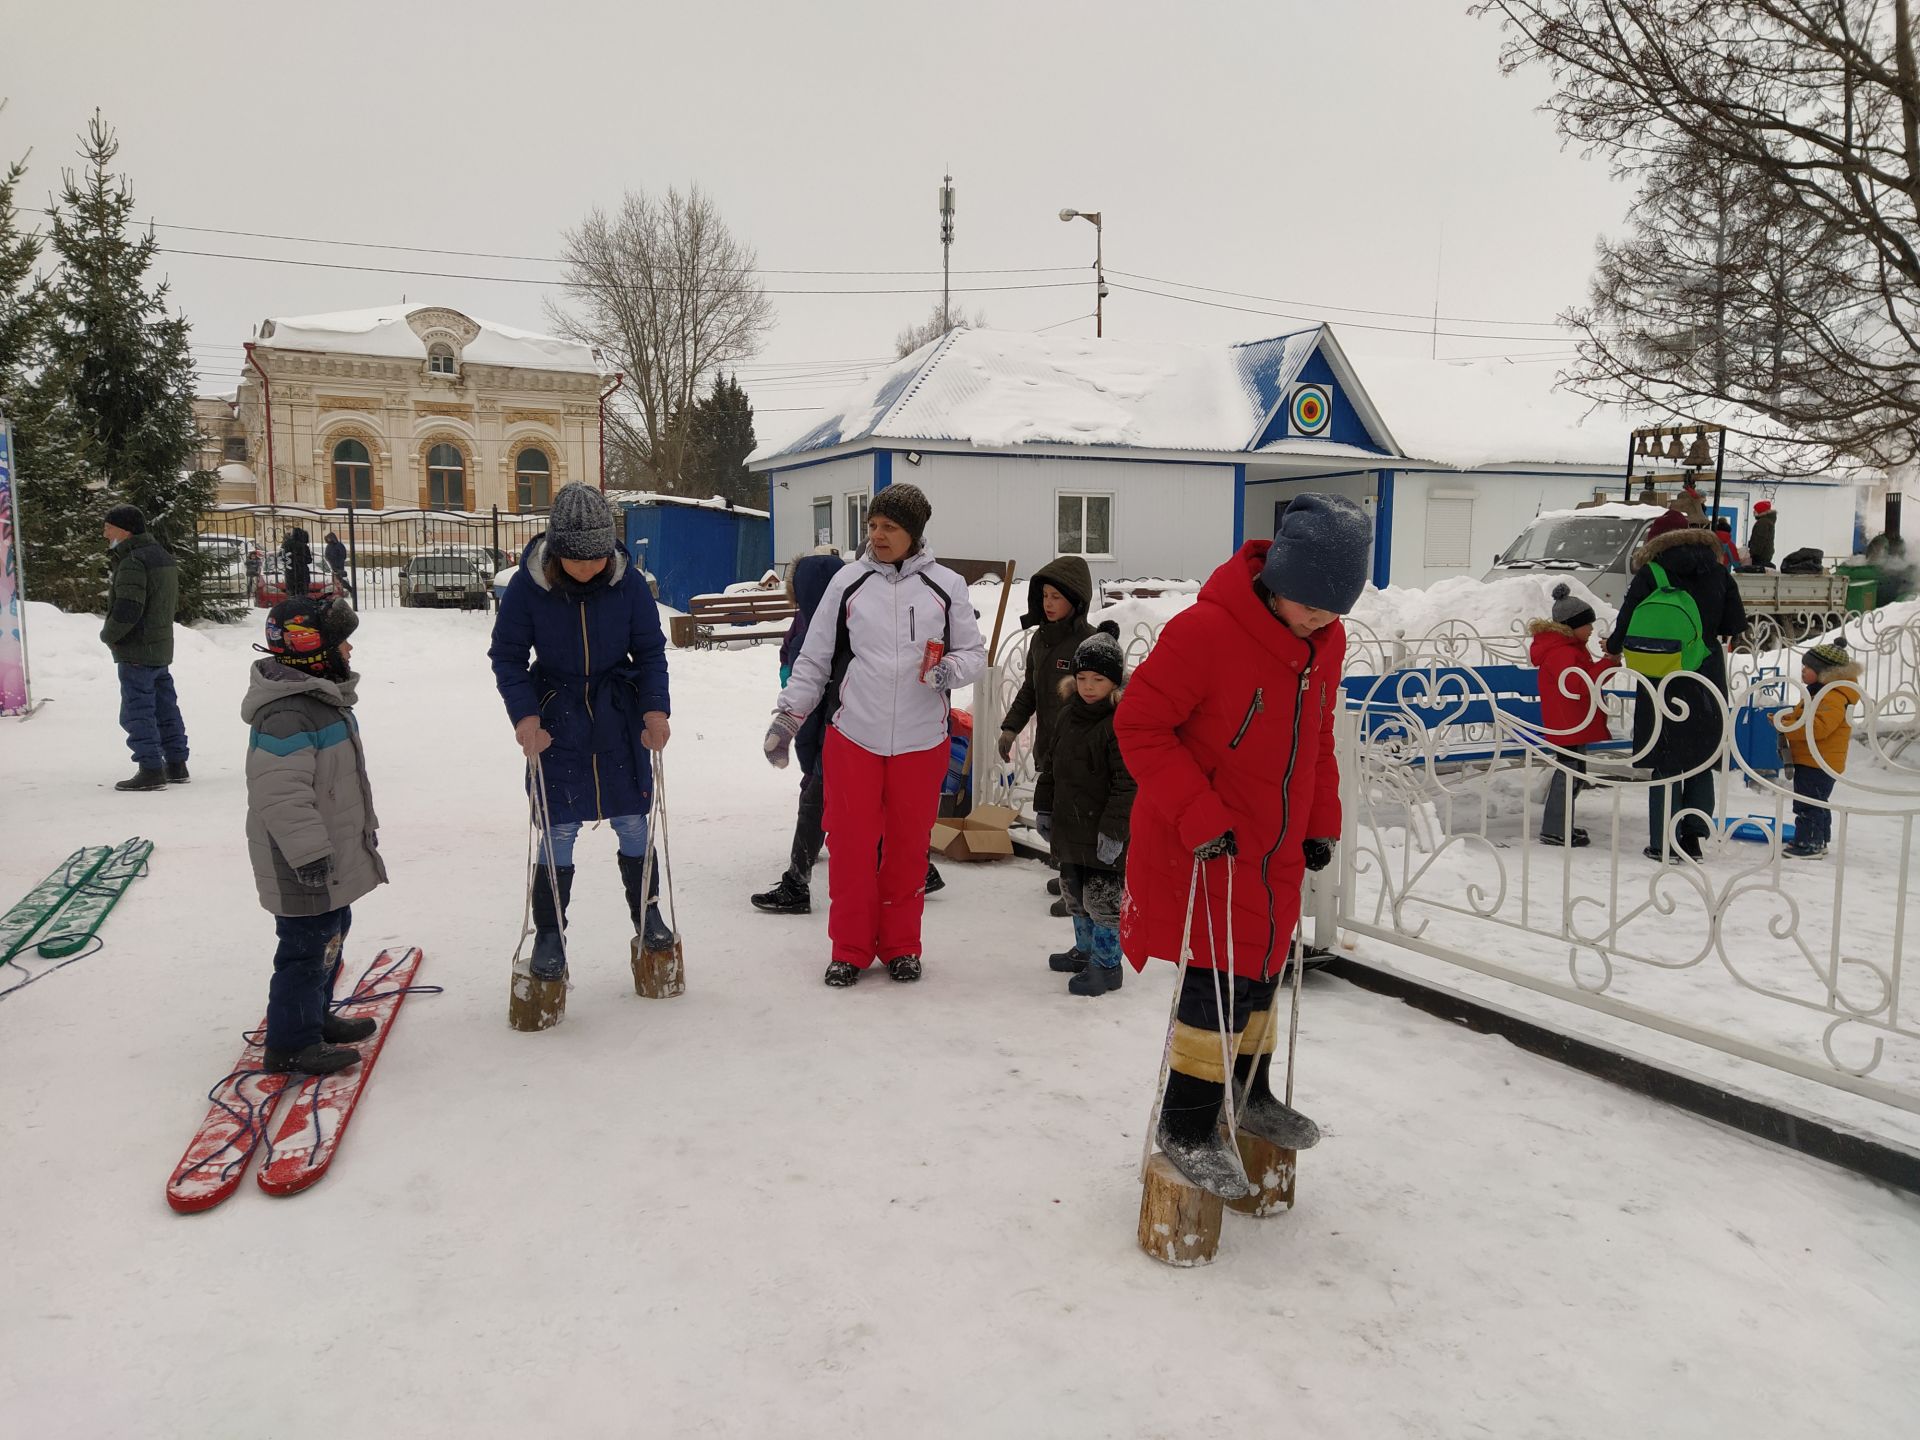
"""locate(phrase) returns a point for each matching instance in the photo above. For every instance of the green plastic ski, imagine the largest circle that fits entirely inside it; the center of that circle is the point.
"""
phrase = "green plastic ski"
(81, 916)
(18, 925)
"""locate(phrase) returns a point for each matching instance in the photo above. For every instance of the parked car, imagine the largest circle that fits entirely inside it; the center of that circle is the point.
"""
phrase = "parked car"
(271, 588)
(443, 580)
(226, 569)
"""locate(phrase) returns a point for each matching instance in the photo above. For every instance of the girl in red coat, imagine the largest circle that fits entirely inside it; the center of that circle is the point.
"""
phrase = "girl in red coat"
(1570, 715)
(1227, 728)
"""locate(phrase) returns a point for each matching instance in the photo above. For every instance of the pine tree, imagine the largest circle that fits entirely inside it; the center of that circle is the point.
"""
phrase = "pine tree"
(111, 403)
(720, 439)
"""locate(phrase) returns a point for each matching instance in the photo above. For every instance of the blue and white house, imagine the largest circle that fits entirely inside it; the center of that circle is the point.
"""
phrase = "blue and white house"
(1156, 459)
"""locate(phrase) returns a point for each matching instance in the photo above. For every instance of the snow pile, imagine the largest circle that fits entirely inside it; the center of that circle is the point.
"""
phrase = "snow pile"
(1495, 608)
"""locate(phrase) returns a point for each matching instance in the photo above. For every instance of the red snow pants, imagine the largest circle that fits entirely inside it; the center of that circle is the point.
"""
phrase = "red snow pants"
(880, 811)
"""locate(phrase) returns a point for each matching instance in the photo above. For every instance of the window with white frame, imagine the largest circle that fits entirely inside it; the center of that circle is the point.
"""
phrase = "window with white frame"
(440, 359)
(1449, 534)
(856, 520)
(1084, 525)
(822, 520)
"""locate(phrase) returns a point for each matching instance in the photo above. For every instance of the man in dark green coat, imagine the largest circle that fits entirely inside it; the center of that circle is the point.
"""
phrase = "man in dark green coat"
(139, 630)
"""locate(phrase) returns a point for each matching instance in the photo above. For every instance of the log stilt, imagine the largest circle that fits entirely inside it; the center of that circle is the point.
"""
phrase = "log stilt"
(1179, 1222)
(659, 974)
(1272, 1170)
(536, 1004)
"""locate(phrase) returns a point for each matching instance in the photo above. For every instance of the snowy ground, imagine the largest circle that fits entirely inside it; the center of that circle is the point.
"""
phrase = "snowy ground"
(770, 1208)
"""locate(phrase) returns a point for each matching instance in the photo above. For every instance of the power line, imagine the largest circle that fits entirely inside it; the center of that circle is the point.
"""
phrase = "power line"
(1349, 324)
(560, 284)
(558, 260)
(1348, 309)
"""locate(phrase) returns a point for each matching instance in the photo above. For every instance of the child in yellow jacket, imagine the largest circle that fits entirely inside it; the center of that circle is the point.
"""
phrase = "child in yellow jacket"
(1818, 751)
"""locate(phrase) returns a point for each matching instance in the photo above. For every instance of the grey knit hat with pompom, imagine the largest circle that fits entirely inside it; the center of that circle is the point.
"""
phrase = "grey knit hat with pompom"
(1569, 609)
(1100, 652)
(581, 526)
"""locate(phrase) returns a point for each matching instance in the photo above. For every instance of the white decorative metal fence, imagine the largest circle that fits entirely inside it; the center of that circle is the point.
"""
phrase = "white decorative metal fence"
(1796, 963)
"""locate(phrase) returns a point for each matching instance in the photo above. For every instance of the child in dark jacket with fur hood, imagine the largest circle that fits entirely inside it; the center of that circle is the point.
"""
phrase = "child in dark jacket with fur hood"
(1089, 793)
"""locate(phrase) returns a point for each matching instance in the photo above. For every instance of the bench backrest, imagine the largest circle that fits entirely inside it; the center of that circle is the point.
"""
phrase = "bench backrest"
(742, 609)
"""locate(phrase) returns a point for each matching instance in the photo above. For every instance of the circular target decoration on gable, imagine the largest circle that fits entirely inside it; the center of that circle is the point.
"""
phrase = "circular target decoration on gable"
(1310, 409)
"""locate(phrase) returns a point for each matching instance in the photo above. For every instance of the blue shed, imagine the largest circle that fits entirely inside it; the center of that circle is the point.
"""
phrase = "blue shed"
(697, 547)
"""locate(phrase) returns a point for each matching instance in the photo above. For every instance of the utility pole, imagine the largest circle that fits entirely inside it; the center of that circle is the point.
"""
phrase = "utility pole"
(946, 254)
(1099, 265)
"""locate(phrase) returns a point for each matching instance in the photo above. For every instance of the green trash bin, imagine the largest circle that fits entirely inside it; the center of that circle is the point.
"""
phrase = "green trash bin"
(1863, 586)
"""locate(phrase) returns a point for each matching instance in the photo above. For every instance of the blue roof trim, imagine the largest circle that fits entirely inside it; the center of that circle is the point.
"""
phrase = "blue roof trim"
(1346, 427)
(1264, 373)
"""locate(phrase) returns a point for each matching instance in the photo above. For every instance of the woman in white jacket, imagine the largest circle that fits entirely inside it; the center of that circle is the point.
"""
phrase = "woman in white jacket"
(867, 658)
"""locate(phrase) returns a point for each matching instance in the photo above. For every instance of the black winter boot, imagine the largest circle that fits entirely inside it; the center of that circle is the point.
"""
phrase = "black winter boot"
(1265, 1115)
(1069, 962)
(1190, 1136)
(648, 923)
(177, 772)
(144, 779)
(316, 1059)
(840, 974)
(904, 968)
(1095, 980)
(345, 1030)
(935, 884)
(549, 948)
(789, 897)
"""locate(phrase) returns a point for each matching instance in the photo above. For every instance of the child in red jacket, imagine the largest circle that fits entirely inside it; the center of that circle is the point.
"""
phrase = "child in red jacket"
(1570, 713)
(1227, 728)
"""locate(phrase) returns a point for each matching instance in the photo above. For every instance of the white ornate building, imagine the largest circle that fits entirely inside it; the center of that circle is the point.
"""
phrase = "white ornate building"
(413, 405)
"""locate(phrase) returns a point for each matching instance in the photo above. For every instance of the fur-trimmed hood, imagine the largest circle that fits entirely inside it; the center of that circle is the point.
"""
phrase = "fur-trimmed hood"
(1848, 674)
(1552, 627)
(1681, 552)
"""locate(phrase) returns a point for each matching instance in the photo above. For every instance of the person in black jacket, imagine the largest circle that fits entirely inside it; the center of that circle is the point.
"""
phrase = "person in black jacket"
(299, 558)
(1089, 793)
(1760, 542)
(793, 895)
(139, 631)
(336, 554)
(1681, 748)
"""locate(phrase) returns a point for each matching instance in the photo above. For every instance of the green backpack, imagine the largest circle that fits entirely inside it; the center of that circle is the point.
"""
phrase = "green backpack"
(1665, 633)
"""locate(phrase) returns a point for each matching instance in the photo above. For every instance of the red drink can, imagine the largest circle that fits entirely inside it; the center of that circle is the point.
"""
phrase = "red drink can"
(932, 657)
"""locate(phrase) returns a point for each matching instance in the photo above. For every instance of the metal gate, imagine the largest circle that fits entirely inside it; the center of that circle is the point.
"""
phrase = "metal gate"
(392, 557)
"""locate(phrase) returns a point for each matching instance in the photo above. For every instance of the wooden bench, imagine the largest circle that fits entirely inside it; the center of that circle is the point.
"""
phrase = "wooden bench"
(752, 616)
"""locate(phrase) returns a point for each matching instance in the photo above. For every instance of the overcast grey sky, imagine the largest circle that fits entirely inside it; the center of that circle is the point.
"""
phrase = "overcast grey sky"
(1324, 153)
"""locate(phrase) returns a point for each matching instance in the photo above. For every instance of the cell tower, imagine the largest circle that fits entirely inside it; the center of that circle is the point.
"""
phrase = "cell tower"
(946, 254)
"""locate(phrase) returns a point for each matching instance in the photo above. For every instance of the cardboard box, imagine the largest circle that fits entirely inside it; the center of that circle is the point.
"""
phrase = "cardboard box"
(979, 836)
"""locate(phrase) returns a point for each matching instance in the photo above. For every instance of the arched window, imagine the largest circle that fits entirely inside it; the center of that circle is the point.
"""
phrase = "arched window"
(446, 478)
(440, 359)
(352, 475)
(534, 478)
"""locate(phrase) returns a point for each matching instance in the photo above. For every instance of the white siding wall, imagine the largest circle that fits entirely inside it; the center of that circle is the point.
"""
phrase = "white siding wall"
(794, 493)
(1172, 521)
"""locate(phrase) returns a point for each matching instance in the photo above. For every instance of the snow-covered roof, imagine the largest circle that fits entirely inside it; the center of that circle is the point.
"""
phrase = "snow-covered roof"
(997, 389)
(650, 497)
(385, 331)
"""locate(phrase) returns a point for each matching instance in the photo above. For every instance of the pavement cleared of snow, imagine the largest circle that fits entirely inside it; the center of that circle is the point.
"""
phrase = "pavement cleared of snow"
(773, 1208)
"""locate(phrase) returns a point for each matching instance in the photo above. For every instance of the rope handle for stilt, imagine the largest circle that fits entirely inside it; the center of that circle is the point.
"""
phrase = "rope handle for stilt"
(540, 829)
(1173, 1016)
(657, 840)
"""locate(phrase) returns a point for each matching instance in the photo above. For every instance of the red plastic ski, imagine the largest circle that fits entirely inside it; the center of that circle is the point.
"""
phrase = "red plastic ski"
(217, 1157)
(311, 1126)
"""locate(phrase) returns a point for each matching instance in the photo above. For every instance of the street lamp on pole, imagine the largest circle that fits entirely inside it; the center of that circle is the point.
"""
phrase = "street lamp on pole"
(1099, 266)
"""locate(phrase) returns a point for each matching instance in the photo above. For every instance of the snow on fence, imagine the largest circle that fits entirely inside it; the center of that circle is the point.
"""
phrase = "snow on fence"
(1795, 963)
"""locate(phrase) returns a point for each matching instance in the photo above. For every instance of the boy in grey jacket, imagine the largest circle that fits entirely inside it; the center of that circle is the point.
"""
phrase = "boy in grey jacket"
(310, 825)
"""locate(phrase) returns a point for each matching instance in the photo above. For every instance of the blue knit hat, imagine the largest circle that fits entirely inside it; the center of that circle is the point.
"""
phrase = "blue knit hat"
(1319, 555)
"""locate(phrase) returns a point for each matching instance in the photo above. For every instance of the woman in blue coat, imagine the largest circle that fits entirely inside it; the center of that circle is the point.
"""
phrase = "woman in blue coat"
(581, 663)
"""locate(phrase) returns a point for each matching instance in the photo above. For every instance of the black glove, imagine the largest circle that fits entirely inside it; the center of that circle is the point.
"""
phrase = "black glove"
(1319, 853)
(1215, 848)
(1043, 823)
(313, 875)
